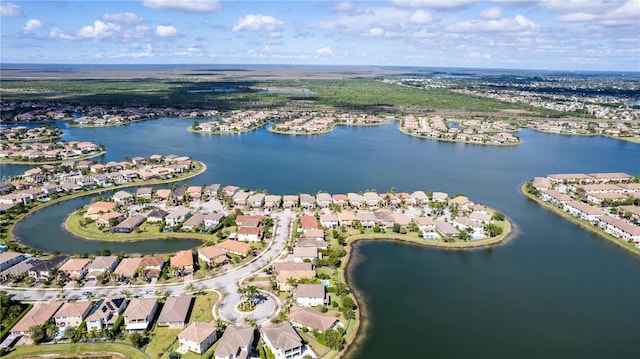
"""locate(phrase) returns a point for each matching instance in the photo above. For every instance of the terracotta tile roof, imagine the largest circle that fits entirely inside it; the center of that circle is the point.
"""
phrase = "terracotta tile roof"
(38, 315)
(73, 309)
(311, 318)
(235, 246)
(182, 259)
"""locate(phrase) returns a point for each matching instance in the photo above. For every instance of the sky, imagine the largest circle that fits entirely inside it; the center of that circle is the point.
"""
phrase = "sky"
(525, 34)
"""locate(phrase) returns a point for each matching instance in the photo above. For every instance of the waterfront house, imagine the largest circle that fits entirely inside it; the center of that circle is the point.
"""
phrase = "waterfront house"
(129, 224)
(620, 228)
(212, 256)
(340, 200)
(307, 201)
(554, 197)
(439, 197)
(71, 314)
(162, 195)
(19, 269)
(570, 178)
(420, 198)
(74, 268)
(323, 199)
(127, 268)
(426, 225)
(229, 191)
(235, 343)
(272, 201)
(234, 247)
(290, 201)
(175, 311)
(356, 200)
(611, 177)
(182, 262)
(38, 315)
(311, 319)
(9, 259)
(140, 314)
(95, 209)
(144, 192)
(123, 198)
(282, 339)
(309, 295)
(178, 215)
(194, 193)
(446, 229)
(44, 270)
(256, 200)
(152, 265)
(211, 220)
(198, 337)
(211, 191)
(240, 198)
(583, 210)
(372, 199)
(105, 313)
(193, 222)
(401, 219)
(156, 216)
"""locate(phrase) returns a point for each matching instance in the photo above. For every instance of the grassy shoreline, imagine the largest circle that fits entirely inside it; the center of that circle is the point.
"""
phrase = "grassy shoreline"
(14, 162)
(76, 349)
(584, 224)
(199, 168)
(346, 272)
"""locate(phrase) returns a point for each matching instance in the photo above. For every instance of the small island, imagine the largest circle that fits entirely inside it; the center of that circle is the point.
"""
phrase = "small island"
(607, 204)
(49, 152)
(20, 134)
(238, 122)
(316, 122)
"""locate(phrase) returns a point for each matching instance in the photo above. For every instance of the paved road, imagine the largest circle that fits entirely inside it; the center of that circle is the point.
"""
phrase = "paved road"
(225, 283)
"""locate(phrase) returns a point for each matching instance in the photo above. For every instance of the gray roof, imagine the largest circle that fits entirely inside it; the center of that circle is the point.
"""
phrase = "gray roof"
(282, 336)
(309, 291)
(175, 309)
(234, 338)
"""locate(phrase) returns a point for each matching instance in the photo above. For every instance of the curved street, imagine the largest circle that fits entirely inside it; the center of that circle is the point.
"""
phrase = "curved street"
(225, 283)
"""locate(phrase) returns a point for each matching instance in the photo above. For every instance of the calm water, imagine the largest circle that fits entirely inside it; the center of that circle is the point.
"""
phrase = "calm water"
(553, 291)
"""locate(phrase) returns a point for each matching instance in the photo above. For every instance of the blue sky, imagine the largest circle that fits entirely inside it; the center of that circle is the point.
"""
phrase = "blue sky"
(536, 34)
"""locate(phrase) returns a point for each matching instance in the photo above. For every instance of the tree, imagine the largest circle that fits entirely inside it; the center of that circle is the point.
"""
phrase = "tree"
(333, 339)
(37, 333)
(497, 216)
(492, 230)
(69, 332)
(136, 339)
(221, 325)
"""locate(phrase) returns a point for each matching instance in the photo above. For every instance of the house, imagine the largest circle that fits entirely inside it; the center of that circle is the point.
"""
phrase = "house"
(340, 200)
(249, 221)
(292, 270)
(71, 314)
(323, 199)
(211, 191)
(152, 265)
(329, 221)
(401, 219)
(129, 224)
(198, 337)
(211, 220)
(235, 343)
(175, 311)
(256, 200)
(105, 313)
(99, 207)
(42, 271)
(309, 295)
(162, 194)
(307, 222)
(9, 259)
(144, 192)
(419, 198)
(193, 222)
(356, 200)
(302, 254)
(367, 219)
(140, 313)
(250, 234)
(307, 201)
(212, 255)
(123, 198)
(583, 211)
(346, 218)
(235, 247)
(38, 315)
(178, 215)
(446, 229)
(311, 319)
(282, 340)
(272, 201)
(156, 216)
(240, 198)
(290, 201)
(314, 233)
(194, 193)
(427, 226)
(372, 199)
(19, 269)
(183, 262)
(311, 242)
(74, 268)
(439, 197)
(229, 191)
(127, 268)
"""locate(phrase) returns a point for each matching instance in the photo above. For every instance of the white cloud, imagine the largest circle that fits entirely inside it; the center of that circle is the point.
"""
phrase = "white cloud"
(31, 25)
(623, 13)
(258, 22)
(326, 50)
(58, 34)
(345, 6)
(124, 17)
(434, 4)
(420, 17)
(518, 24)
(493, 13)
(183, 5)
(376, 31)
(10, 9)
(99, 30)
(166, 31)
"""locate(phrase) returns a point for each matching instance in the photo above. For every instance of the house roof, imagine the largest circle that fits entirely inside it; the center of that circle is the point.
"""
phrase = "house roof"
(311, 242)
(102, 262)
(309, 291)
(307, 221)
(314, 233)
(249, 230)
(234, 338)
(38, 315)
(234, 246)
(289, 266)
(105, 306)
(175, 309)
(50, 264)
(197, 332)
(282, 336)
(311, 318)
(305, 252)
(73, 309)
(182, 259)
(253, 221)
(211, 252)
(424, 221)
(152, 261)
(128, 266)
(9, 255)
(74, 264)
(140, 308)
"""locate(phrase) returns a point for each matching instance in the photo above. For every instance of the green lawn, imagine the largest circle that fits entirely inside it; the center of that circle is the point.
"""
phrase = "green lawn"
(162, 342)
(201, 311)
(127, 350)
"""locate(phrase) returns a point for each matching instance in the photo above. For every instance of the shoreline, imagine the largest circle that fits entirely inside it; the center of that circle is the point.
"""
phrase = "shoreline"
(11, 236)
(362, 321)
(200, 132)
(460, 141)
(13, 162)
(325, 130)
(591, 228)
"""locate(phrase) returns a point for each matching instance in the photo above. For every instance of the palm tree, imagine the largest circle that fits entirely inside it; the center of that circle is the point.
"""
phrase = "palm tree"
(251, 291)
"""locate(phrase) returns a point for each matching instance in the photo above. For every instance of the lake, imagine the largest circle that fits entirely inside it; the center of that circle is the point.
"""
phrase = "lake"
(554, 290)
